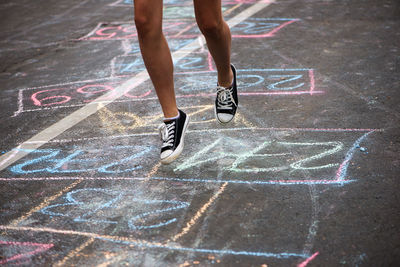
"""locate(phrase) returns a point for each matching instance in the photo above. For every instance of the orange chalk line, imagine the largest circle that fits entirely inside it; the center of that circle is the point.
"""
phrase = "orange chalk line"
(185, 30)
(45, 203)
(199, 213)
(153, 170)
(229, 11)
(73, 253)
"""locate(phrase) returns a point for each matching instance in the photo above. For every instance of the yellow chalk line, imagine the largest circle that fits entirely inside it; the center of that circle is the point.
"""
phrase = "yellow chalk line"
(81, 114)
(87, 234)
(199, 213)
(75, 251)
(229, 11)
(45, 203)
(153, 170)
(110, 118)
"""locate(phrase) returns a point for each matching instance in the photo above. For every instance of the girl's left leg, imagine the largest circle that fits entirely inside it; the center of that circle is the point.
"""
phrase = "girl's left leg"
(218, 36)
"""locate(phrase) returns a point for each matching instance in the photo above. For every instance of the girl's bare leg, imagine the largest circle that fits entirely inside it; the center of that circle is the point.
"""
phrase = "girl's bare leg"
(218, 36)
(156, 53)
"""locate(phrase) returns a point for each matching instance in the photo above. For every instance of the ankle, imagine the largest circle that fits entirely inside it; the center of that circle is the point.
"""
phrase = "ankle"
(226, 82)
(170, 118)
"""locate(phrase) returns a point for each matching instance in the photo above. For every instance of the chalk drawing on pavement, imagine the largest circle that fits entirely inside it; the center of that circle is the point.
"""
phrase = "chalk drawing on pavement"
(20, 252)
(271, 157)
(189, 84)
(251, 28)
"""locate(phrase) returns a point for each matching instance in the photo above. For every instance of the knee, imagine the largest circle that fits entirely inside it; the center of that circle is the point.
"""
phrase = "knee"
(146, 26)
(210, 28)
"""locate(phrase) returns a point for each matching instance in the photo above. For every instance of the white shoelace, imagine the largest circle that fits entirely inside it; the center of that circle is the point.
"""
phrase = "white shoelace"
(167, 134)
(225, 97)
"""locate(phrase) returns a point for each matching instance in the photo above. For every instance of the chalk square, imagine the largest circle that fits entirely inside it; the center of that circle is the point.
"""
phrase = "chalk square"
(127, 30)
(132, 64)
(153, 216)
(250, 28)
(269, 157)
(71, 94)
(251, 82)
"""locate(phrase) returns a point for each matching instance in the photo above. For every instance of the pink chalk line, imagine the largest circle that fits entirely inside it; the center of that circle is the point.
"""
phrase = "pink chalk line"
(307, 261)
(312, 81)
(140, 98)
(210, 62)
(341, 172)
(82, 81)
(40, 248)
(341, 169)
(98, 27)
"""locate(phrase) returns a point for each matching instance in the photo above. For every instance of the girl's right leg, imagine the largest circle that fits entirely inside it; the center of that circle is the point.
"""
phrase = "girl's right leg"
(155, 52)
(158, 61)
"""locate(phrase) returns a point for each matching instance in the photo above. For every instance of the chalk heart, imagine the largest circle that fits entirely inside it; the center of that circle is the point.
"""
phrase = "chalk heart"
(97, 205)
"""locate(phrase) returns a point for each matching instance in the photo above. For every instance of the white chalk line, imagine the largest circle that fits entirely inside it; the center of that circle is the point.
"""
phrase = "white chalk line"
(294, 130)
(79, 115)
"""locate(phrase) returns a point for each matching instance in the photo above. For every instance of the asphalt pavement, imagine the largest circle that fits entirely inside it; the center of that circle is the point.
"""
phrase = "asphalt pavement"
(306, 174)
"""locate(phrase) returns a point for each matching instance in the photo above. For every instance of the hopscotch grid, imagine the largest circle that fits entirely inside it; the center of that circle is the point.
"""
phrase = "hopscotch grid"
(207, 130)
(91, 108)
(127, 55)
(269, 34)
(185, 180)
(153, 245)
(180, 34)
(277, 255)
(338, 179)
(133, 75)
(311, 90)
(277, 93)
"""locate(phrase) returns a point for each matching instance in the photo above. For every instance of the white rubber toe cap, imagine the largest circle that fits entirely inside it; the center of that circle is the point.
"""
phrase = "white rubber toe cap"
(165, 154)
(224, 117)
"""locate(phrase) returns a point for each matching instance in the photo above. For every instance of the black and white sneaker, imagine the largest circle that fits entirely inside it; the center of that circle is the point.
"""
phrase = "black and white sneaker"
(226, 102)
(172, 134)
